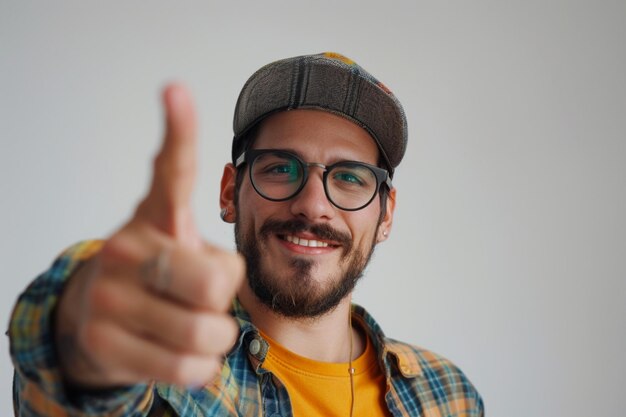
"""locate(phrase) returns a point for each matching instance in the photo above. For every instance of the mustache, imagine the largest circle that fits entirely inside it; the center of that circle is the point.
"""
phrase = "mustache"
(323, 231)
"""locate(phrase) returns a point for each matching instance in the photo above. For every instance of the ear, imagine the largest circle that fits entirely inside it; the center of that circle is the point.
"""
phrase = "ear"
(384, 229)
(227, 193)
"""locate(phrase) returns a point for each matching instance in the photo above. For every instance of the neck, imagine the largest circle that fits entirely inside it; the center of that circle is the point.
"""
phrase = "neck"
(325, 338)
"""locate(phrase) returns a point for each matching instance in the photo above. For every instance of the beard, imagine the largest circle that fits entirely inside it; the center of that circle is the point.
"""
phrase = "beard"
(299, 295)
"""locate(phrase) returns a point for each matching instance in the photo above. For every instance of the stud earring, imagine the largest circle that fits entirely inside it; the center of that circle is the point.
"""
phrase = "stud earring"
(385, 233)
(223, 214)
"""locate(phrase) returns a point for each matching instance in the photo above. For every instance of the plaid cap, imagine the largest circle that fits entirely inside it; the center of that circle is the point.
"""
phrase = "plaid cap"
(329, 82)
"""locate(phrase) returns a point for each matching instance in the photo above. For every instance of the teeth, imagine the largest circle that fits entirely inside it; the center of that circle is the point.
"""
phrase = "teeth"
(305, 242)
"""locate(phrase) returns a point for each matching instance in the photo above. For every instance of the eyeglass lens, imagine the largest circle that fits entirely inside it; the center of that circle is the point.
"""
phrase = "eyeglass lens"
(279, 176)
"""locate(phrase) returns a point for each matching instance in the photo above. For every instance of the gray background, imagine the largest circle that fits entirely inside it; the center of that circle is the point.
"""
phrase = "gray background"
(508, 251)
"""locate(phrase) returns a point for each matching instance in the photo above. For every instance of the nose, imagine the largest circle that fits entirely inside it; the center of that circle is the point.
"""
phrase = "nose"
(311, 202)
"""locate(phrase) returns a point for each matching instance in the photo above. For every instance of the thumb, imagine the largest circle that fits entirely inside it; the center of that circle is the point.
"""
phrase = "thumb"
(168, 203)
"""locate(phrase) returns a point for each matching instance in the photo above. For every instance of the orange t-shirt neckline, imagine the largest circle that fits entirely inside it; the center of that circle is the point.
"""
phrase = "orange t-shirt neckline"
(323, 388)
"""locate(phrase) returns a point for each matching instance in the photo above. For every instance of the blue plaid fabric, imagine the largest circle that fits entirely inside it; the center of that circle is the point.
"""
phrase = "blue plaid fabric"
(419, 382)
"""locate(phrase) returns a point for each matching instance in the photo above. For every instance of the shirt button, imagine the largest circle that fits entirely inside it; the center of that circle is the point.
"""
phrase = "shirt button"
(255, 347)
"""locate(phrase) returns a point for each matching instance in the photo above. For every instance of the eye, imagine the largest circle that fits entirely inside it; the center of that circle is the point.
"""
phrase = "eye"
(352, 177)
(284, 168)
(287, 168)
(348, 177)
(274, 168)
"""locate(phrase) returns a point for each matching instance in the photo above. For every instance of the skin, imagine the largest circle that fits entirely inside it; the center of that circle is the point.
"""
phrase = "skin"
(113, 328)
(322, 137)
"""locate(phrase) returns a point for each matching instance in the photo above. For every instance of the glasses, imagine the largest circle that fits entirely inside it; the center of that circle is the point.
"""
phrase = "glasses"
(279, 175)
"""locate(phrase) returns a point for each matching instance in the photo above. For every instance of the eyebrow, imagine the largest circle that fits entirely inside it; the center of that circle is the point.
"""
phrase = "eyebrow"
(299, 155)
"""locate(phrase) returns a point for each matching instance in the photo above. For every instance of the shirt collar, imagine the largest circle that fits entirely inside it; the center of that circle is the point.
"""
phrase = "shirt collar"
(405, 358)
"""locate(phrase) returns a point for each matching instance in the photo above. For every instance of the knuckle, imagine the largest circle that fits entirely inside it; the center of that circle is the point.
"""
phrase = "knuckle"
(209, 333)
(193, 332)
(180, 369)
(95, 339)
(117, 249)
(104, 298)
(212, 291)
(224, 334)
(212, 368)
(203, 288)
(221, 298)
(234, 330)
(100, 297)
(230, 333)
(110, 249)
(186, 369)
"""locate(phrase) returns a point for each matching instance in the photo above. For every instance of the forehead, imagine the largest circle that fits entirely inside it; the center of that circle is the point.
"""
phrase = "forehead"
(317, 136)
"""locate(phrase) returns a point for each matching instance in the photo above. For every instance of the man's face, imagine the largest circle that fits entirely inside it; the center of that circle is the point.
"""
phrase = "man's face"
(304, 255)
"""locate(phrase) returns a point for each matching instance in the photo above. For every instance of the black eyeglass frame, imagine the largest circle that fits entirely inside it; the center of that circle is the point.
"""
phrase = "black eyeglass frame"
(250, 155)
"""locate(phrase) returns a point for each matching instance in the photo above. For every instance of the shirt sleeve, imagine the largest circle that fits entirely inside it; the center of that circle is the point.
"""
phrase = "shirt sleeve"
(38, 384)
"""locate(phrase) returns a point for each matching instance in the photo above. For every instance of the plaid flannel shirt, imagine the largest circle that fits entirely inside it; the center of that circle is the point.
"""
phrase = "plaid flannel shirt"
(419, 382)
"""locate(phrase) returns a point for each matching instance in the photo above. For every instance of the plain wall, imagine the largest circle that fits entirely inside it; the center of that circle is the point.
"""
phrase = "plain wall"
(508, 253)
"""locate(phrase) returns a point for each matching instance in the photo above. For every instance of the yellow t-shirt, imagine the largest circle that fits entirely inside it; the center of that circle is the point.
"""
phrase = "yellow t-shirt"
(323, 388)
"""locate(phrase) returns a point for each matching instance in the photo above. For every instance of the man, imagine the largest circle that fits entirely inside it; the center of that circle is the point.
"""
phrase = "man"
(155, 321)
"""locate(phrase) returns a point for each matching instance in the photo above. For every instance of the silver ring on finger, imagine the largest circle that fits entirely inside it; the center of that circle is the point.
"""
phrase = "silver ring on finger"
(156, 272)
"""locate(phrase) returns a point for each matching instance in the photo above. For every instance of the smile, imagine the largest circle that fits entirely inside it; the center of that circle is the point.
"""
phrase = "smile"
(311, 243)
